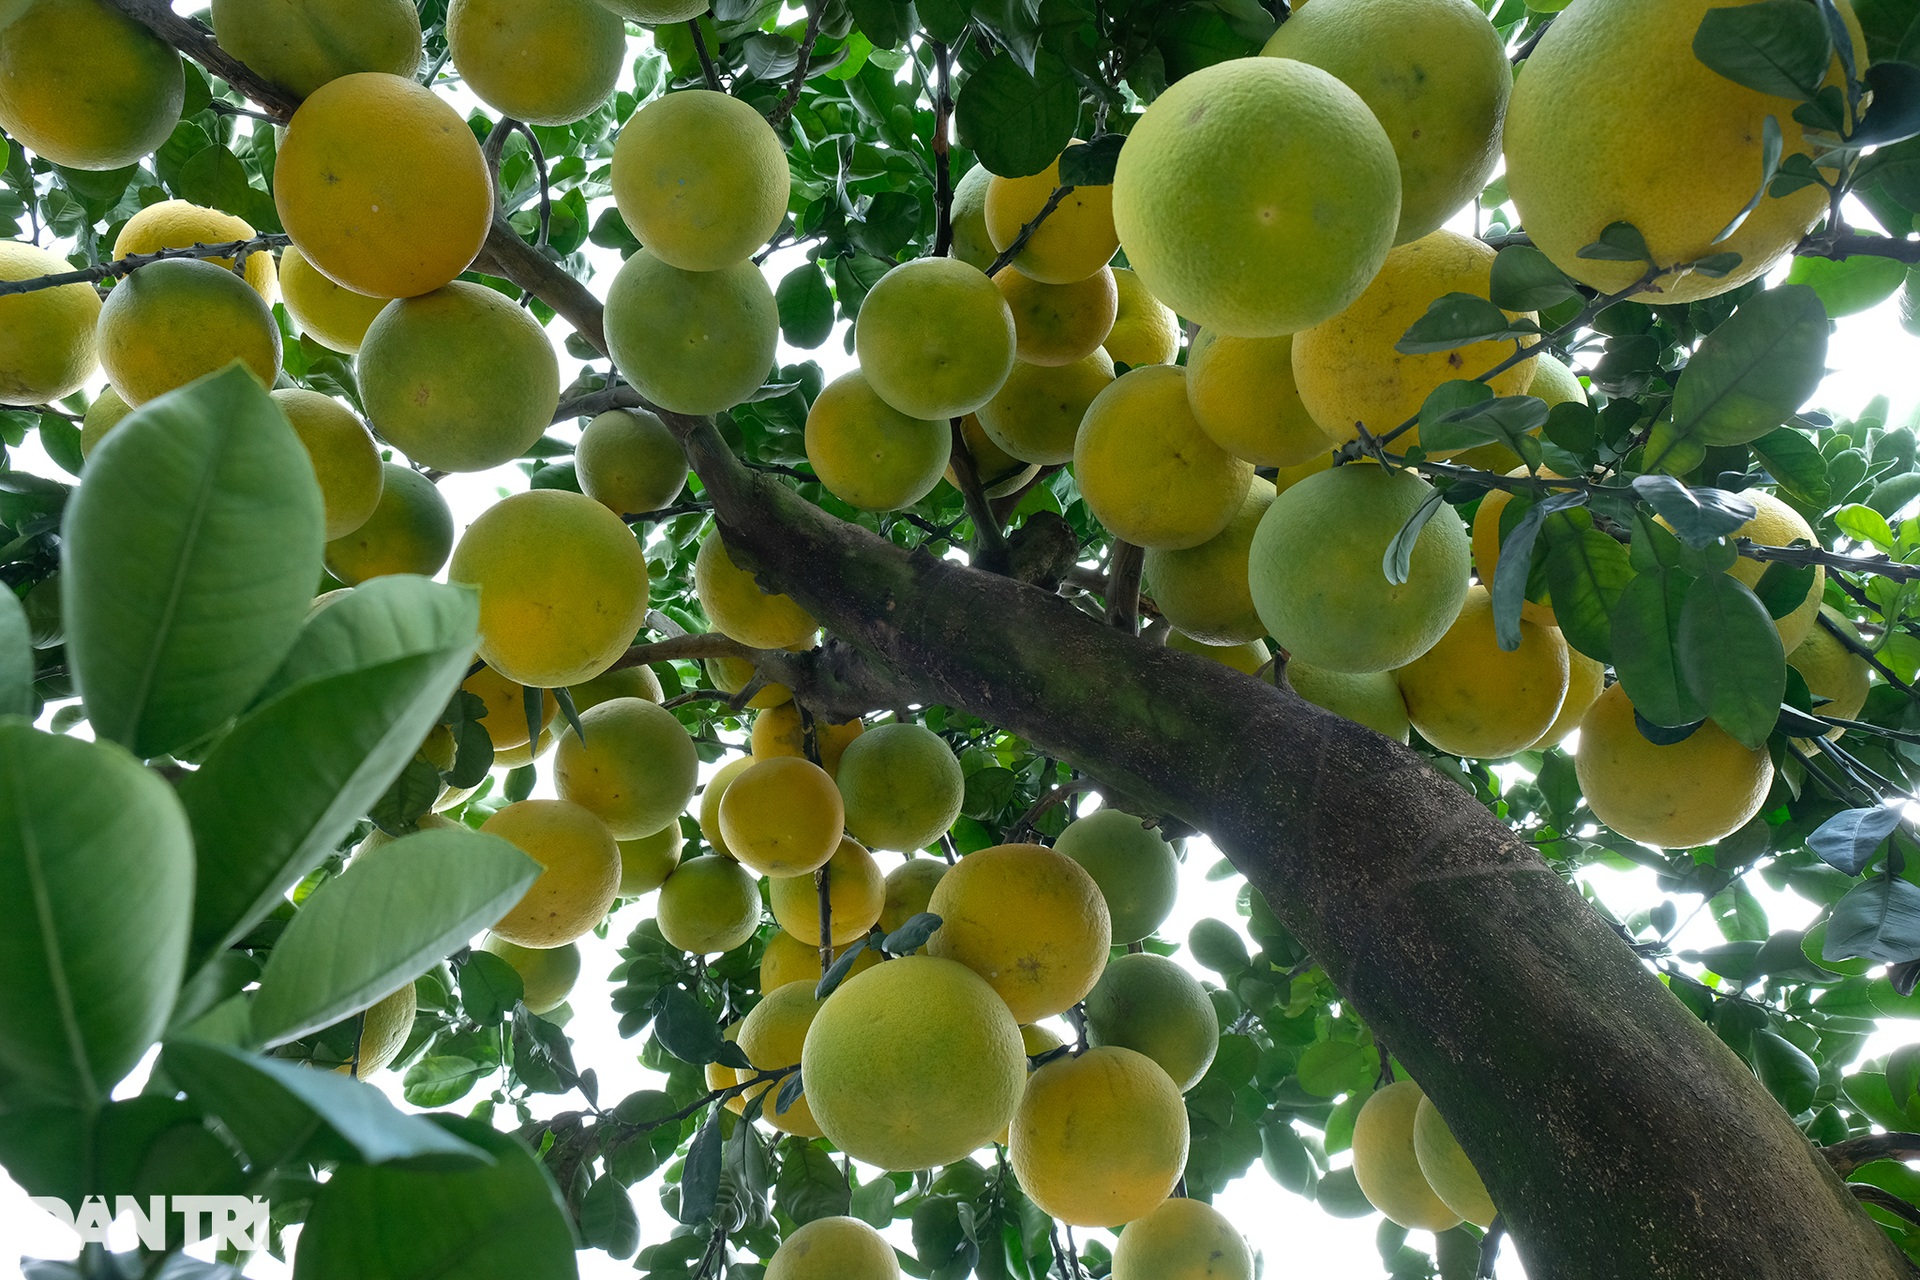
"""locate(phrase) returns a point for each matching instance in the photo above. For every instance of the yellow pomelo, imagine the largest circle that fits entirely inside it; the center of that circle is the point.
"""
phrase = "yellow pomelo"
(701, 179)
(345, 459)
(657, 12)
(710, 797)
(882, 1064)
(1385, 1165)
(580, 873)
(1554, 382)
(1833, 671)
(1073, 243)
(1487, 540)
(1435, 75)
(1688, 793)
(645, 863)
(909, 889)
(1182, 1240)
(383, 186)
(779, 731)
(1243, 396)
(1371, 698)
(709, 904)
(935, 338)
(1056, 324)
(1202, 590)
(1447, 1169)
(563, 586)
(301, 44)
(84, 85)
(1347, 370)
(172, 322)
(1287, 477)
(738, 608)
(410, 531)
(1146, 469)
(546, 973)
(1036, 1040)
(782, 816)
(1585, 679)
(334, 317)
(902, 786)
(629, 462)
(1145, 330)
(506, 703)
(730, 675)
(176, 224)
(691, 341)
(1036, 414)
(971, 243)
(772, 1037)
(617, 682)
(635, 770)
(103, 415)
(999, 472)
(384, 1029)
(1100, 1139)
(549, 63)
(788, 959)
(1029, 920)
(1775, 524)
(525, 753)
(1151, 1005)
(1257, 196)
(856, 891)
(867, 453)
(1249, 658)
(1469, 697)
(459, 379)
(1136, 870)
(1590, 141)
(46, 337)
(834, 1249)
(1317, 576)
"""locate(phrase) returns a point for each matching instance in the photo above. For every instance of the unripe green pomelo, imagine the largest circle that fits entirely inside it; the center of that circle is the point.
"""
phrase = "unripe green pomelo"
(635, 769)
(869, 454)
(301, 44)
(834, 1249)
(935, 338)
(629, 462)
(549, 63)
(1136, 870)
(692, 342)
(546, 973)
(1151, 1005)
(709, 904)
(1371, 698)
(1146, 469)
(1182, 1240)
(902, 786)
(1447, 1169)
(410, 531)
(1386, 1166)
(1202, 591)
(1036, 414)
(701, 178)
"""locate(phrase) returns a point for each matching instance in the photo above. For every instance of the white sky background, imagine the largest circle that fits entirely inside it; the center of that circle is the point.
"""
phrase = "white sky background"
(1869, 355)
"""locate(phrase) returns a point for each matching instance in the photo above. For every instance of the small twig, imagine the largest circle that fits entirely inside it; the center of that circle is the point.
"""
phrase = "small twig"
(1012, 251)
(134, 261)
(823, 881)
(942, 151)
(540, 167)
(1855, 647)
(1064, 791)
(1886, 1200)
(1843, 244)
(1527, 47)
(791, 97)
(194, 40)
(706, 59)
(1123, 585)
(1882, 565)
(221, 107)
(709, 644)
(668, 513)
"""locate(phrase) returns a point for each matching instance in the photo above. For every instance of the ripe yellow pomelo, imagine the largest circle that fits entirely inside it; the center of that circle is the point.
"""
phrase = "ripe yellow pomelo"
(1182, 1240)
(334, 317)
(730, 675)
(691, 341)
(1202, 591)
(546, 973)
(1257, 196)
(1590, 141)
(1074, 242)
(782, 816)
(1151, 1005)
(46, 337)
(1029, 920)
(629, 462)
(882, 1064)
(459, 379)
(700, 178)
(525, 753)
(999, 472)
(657, 12)
(383, 186)
(709, 904)
(788, 959)
(1145, 330)
(1317, 576)
(635, 770)
(779, 731)
(617, 682)
(549, 63)
(1100, 1139)
(867, 453)
(1585, 679)
(103, 415)
(1688, 793)
(1056, 324)
(84, 85)
(971, 243)
(563, 586)
(301, 44)
(1136, 870)
(580, 876)
(176, 224)
(1833, 671)
(1385, 1165)
(1146, 469)
(1775, 524)
(410, 531)
(172, 322)
(738, 608)
(383, 1032)
(646, 862)
(1249, 658)
(345, 459)
(1243, 396)
(902, 786)
(1436, 77)
(1469, 697)
(856, 891)
(834, 1249)
(772, 1037)
(1487, 540)
(909, 889)
(1348, 373)
(710, 797)
(506, 703)
(1371, 698)
(1447, 1169)
(1036, 414)
(935, 338)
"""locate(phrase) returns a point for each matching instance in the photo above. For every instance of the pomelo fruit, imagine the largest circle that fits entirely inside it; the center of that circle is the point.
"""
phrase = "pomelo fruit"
(1385, 1165)
(1202, 591)
(301, 44)
(1469, 697)
(1243, 395)
(410, 531)
(738, 608)
(1029, 920)
(332, 316)
(549, 63)
(867, 453)
(629, 462)
(580, 873)
(47, 349)
(635, 769)
(855, 890)
(709, 904)
(1678, 796)
(1100, 1139)
(902, 786)
(701, 179)
(1074, 242)
(691, 342)
(1056, 324)
(346, 461)
(782, 816)
(171, 322)
(1036, 414)
(176, 224)
(1151, 1005)
(1148, 471)
(935, 338)
(1136, 870)
(85, 86)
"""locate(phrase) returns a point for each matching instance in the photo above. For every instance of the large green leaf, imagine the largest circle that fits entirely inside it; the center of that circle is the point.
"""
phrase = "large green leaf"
(1586, 572)
(1730, 655)
(1755, 371)
(396, 910)
(1014, 122)
(364, 684)
(189, 557)
(1646, 625)
(16, 657)
(96, 872)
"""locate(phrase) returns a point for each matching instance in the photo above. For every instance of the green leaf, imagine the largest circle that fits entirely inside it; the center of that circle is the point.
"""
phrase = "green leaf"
(1459, 320)
(1646, 623)
(1879, 920)
(1793, 460)
(1586, 572)
(806, 306)
(16, 656)
(1775, 47)
(1730, 654)
(189, 558)
(1851, 285)
(1790, 1075)
(1893, 114)
(1016, 123)
(1698, 517)
(1516, 563)
(607, 1219)
(1524, 279)
(489, 988)
(1783, 588)
(1092, 165)
(811, 1185)
(700, 1177)
(685, 1028)
(1329, 1068)
(1618, 242)
(1864, 524)
(1507, 419)
(1847, 841)
(96, 866)
(396, 910)
(1397, 562)
(1755, 371)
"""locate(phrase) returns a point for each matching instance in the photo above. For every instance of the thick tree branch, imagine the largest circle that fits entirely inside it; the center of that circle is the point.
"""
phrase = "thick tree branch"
(1123, 585)
(506, 255)
(194, 40)
(1852, 244)
(1884, 566)
(942, 150)
(706, 59)
(1847, 1156)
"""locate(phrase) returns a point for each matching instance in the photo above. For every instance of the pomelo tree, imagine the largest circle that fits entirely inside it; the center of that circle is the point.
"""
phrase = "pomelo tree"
(265, 784)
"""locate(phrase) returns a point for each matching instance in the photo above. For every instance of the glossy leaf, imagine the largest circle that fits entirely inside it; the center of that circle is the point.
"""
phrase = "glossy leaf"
(1586, 572)
(1506, 419)
(1646, 623)
(1848, 839)
(1014, 121)
(1755, 371)
(16, 657)
(1775, 47)
(806, 306)
(607, 1219)
(1879, 920)
(1894, 114)
(1092, 165)
(1697, 517)
(1730, 655)
(911, 935)
(1850, 285)
(1524, 279)
(1618, 242)
(1397, 562)
(1516, 564)
(700, 1179)
(1456, 320)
